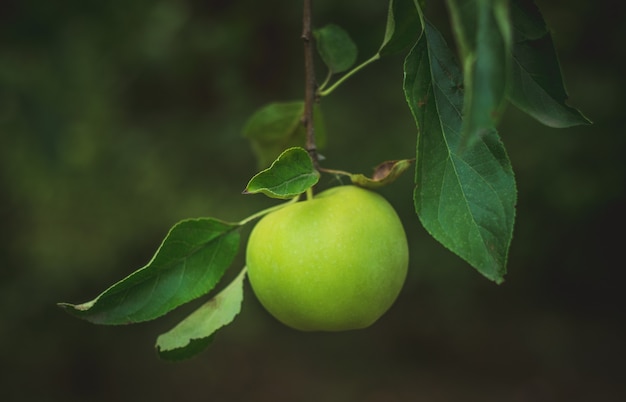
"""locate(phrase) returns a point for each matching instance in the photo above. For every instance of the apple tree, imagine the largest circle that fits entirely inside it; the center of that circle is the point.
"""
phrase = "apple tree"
(464, 185)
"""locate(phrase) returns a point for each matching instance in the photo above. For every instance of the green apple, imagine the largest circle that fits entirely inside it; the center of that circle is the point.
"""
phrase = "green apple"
(331, 263)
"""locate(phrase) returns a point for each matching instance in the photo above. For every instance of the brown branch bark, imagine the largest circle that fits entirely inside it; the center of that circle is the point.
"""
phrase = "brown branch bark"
(310, 84)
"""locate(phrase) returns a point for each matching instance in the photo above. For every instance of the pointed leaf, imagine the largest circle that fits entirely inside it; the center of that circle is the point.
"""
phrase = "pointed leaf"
(483, 30)
(335, 47)
(278, 126)
(384, 174)
(464, 196)
(188, 264)
(537, 84)
(290, 175)
(402, 29)
(192, 335)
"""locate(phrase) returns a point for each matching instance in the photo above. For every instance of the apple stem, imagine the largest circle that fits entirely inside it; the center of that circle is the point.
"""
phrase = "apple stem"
(309, 193)
(310, 84)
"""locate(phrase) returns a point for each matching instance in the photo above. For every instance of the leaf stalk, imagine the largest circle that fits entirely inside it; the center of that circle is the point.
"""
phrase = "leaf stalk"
(328, 91)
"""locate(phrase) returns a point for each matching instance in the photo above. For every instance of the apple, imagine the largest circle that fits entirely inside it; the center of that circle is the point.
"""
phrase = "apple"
(334, 262)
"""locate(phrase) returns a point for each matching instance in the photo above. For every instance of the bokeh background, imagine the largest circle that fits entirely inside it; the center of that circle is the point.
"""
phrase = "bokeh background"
(117, 119)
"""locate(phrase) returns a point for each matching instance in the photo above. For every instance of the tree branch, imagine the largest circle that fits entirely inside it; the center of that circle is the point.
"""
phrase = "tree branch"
(310, 84)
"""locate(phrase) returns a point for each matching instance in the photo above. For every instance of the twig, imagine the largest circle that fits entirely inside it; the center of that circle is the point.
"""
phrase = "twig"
(310, 84)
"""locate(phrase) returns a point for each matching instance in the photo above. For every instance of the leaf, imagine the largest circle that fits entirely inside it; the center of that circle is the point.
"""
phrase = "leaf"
(528, 24)
(290, 175)
(402, 29)
(278, 126)
(274, 121)
(335, 47)
(464, 196)
(537, 86)
(192, 335)
(187, 265)
(384, 174)
(483, 31)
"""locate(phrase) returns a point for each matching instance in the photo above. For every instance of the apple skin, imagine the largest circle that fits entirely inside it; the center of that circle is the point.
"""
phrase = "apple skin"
(335, 262)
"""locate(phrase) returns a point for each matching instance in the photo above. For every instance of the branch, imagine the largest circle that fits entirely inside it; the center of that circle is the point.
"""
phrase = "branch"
(309, 80)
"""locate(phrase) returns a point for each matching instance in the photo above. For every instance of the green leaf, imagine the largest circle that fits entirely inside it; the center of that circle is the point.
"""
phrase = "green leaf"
(528, 24)
(483, 30)
(465, 195)
(335, 47)
(402, 29)
(537, 86)
(384, 174)
(290, 175)
(278, 126)
(192, 335)
(187, 265)
(274, 121)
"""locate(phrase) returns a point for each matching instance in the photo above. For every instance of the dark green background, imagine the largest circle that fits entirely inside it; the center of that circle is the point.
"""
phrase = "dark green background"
(119, 118)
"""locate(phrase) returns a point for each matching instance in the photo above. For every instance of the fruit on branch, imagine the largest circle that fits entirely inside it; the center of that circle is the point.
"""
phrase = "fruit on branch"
(331, 263)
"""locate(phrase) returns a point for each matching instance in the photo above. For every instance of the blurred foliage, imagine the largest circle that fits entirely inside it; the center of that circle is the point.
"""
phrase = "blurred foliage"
(118, 119)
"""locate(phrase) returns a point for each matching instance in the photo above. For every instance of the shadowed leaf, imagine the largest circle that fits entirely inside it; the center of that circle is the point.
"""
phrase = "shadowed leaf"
(335, 47)
(402, 29)
(483, 30)
(537, 86)
(278, 126)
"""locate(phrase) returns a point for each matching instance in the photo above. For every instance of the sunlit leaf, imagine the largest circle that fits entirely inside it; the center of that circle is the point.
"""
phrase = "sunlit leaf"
(465, 195)
(194, 333)
(291, 174)
(188, 264)
(335, 47)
